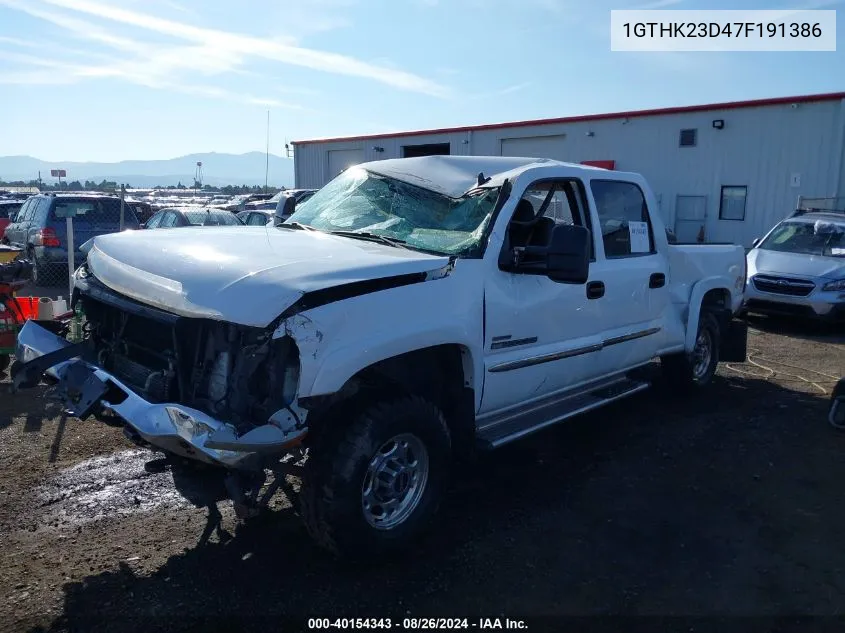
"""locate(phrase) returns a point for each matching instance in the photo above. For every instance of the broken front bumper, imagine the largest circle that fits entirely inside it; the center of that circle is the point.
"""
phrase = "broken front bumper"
(84, 388)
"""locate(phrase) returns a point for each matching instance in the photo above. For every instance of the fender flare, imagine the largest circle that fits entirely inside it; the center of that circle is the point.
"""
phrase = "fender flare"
(338, 367)
(701, 288)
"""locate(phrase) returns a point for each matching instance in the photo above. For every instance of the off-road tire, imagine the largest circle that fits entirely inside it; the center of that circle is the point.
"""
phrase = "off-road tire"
(679, 369)
(5, 361)
(331, 492)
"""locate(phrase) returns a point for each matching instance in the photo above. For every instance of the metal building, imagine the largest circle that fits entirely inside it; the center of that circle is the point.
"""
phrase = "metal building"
(721, 172)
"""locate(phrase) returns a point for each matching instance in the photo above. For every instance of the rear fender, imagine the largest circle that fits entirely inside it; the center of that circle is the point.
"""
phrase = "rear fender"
(696, 299)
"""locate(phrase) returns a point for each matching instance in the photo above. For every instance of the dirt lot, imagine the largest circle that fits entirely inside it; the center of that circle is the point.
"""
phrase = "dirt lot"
(729, 503)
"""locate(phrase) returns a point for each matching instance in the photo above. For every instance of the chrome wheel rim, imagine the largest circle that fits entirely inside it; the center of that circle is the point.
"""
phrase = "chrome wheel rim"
(702, 354)
(395, 481)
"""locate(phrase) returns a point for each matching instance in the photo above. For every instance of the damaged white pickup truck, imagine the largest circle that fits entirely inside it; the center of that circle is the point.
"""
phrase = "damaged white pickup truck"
(412, 311)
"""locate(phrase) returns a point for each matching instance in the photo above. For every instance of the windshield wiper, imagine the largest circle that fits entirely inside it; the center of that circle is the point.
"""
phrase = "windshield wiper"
(296, 226)
(373, 237)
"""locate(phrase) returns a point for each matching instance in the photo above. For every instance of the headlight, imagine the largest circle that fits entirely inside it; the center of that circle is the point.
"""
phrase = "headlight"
(839, 284)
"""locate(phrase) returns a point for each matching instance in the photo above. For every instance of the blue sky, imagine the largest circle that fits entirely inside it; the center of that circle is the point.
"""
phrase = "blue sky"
(107, 80)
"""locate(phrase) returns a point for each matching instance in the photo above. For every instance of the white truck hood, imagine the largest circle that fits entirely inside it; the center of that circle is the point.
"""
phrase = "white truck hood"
(241, 275)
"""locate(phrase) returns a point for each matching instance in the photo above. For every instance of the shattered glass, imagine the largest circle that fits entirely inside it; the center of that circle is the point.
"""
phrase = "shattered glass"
(364, 202)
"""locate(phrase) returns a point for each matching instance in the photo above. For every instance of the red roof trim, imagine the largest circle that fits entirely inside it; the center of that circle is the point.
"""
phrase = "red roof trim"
(729, 105)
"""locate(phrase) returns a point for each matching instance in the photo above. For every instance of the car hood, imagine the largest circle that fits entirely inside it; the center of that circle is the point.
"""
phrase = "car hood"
(776, 262)
(245, 275)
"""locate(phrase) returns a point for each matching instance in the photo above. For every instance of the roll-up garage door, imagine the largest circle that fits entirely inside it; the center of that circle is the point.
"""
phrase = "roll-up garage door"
(536, 147)
(340, 159)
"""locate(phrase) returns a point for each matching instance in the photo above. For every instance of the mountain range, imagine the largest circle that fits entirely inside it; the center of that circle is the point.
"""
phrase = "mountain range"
(218, 169)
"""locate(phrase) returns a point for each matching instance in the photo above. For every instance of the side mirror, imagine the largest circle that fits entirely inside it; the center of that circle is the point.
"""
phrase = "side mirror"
(755, 242)
(568, 254)
(142, 225)
(566, 258)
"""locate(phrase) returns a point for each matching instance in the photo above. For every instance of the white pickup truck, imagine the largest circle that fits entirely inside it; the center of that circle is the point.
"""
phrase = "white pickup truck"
(413, 310)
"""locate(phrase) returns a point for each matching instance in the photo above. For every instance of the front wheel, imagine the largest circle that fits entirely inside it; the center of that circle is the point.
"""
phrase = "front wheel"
(370, 489)
(696, 369)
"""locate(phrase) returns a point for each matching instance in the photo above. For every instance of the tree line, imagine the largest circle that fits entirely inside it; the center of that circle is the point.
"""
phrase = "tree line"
(110, 186)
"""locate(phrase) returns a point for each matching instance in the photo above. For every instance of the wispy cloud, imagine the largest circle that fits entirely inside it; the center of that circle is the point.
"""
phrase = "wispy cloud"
(239, 45)
(501, 92)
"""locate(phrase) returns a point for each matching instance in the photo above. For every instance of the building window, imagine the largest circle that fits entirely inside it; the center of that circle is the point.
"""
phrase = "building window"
(688, 138)
(732, 203)
(429, 149)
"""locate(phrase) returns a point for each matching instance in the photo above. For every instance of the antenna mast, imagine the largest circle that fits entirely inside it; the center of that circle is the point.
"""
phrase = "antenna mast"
(267, 159)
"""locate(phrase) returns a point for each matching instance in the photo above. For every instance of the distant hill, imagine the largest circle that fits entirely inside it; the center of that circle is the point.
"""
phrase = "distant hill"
(218, 169)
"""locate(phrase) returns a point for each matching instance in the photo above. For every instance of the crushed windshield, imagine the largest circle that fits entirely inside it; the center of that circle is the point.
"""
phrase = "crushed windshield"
(818, 238)
(359, 201)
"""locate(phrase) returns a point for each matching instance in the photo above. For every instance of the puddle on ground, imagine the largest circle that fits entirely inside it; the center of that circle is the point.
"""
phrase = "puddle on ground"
(121, 484)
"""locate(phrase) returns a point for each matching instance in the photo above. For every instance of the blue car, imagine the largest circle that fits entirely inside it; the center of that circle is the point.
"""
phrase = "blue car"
(40, 228)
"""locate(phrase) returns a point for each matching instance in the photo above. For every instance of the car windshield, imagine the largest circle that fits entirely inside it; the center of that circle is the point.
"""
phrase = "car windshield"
(211, 218)
(360, 201)
(822, 237)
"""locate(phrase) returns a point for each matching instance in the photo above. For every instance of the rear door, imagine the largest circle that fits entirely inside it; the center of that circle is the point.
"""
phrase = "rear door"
(633, 275)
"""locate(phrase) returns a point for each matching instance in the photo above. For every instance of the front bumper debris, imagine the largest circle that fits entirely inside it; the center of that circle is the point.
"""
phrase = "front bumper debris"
(83, 388)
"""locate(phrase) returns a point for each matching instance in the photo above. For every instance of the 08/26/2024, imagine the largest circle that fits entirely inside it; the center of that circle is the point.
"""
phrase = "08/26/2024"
(411, 624)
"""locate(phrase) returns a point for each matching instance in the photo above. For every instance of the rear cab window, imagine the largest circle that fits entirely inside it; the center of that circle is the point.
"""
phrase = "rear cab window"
(624, 222)
(103, 213)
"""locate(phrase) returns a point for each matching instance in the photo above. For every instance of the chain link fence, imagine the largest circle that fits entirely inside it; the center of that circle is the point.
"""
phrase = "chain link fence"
(51, 228)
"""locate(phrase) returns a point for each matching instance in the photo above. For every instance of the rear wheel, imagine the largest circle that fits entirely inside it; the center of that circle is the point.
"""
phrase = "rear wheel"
(697, 368)
(371, 488)
(40, 276)
(5, 361)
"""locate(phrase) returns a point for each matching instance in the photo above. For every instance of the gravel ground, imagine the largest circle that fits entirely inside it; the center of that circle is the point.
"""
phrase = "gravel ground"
(727, 503)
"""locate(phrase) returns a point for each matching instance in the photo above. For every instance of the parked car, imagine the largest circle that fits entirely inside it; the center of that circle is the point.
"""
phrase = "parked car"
(143, 210)
(274, 203)
(41, 229)
(175, 217)
(798, 268)
(8, 210)
(241, 202)
(412, 311)
(256, 218)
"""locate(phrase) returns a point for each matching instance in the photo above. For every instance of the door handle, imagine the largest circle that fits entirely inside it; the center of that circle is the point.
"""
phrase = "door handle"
(657, 280)
(595, 290)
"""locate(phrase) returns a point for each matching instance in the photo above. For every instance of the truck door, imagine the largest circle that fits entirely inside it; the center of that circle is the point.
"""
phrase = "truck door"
(541, 336)
(633, 272)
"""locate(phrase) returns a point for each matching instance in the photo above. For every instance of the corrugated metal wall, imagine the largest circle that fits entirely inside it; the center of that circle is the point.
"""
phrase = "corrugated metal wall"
(778, 152)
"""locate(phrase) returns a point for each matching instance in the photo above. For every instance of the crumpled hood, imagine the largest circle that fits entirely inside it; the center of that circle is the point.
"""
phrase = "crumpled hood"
(241, 275)
(776, 262)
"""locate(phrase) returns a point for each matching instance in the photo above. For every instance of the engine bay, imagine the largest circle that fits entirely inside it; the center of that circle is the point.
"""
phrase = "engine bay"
(235, 373)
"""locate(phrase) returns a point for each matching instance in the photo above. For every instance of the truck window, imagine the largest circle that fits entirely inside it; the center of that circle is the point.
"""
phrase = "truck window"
(623, 216)
(543, 205)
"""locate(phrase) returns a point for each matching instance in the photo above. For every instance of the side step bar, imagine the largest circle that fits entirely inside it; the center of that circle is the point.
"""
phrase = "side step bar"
(510, 427)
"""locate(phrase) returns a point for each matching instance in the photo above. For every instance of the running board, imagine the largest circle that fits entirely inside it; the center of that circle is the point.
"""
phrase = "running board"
(516, 426)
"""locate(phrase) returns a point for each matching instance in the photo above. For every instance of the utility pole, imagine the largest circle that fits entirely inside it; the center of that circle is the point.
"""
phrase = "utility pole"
(267, 160)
